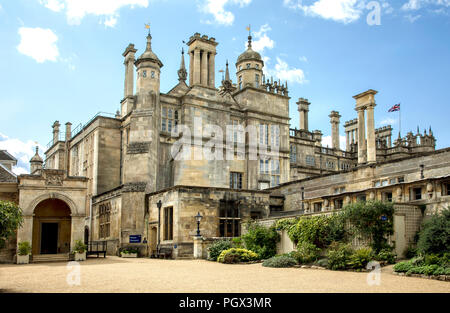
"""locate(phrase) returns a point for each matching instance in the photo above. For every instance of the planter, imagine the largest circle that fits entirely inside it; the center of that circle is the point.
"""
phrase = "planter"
(128, 255)
(80, 256)
(23, 259)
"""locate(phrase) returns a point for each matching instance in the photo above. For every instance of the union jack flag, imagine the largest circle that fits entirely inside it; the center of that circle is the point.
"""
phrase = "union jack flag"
(395, 108)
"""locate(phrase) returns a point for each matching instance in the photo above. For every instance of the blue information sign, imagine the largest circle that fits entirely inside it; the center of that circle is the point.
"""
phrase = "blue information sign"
(135, 238)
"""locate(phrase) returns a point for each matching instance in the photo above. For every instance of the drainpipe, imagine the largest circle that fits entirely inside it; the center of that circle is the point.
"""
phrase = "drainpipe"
(90, 218)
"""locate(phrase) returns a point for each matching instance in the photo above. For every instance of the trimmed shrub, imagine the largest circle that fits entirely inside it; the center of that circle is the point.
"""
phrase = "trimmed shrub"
(360, 258)
(217, 247)
(403, 267)
(237, 255)
(261, 240)
(306, 253)
(410, 252)
(434, 237)
(338, 256)
(322, 262)
(386, 255)
(80, 247)
(237, 242)
(280, 261)
(24, 248)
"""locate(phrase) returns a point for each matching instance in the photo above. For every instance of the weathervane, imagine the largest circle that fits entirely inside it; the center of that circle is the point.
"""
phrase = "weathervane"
(147, 26)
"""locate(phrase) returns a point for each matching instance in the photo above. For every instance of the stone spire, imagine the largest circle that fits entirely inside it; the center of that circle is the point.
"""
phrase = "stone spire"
(36, 163)
(227, 72)
(182, 73)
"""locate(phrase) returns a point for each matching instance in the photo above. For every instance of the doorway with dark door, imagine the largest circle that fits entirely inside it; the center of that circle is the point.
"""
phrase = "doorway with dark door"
(49, 238)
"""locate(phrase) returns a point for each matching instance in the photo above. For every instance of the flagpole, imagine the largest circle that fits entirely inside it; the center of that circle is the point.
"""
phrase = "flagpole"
(400, 119)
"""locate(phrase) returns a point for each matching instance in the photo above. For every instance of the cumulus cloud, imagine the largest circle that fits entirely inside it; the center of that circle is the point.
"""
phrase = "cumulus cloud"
(22, 151)
(108, 10)
(412, 18)
(387, 121)
(261, 39)
(217, 9)
(284, 72)
(326, 142)
(39, 44)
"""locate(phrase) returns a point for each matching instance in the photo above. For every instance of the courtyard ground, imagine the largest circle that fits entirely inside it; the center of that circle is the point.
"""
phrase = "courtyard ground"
(115, 274)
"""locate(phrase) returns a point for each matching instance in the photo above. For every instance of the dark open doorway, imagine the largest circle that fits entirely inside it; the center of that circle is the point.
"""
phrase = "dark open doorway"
(49, 238)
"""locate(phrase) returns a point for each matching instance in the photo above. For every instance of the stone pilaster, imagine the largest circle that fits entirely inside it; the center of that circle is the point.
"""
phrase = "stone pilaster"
(211, 70)
(371, 145)
(361, 136)
(196, 69)
(303, 109)
(335, 120)
(204, 68)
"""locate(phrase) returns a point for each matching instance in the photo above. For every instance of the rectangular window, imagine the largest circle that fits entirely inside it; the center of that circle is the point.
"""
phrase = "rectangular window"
(275, 172)
(264, 134)
(338, 204)
(361, 198)
(293, 154)
(310, 160)
(229, 219)
(417, 193)
(317, 206)
(169, 119)
(264, 166)
(168, 223)
(235, 180)
(446, 191)
(275, 135)
(387, 196)
(104, 217)
(257, 80)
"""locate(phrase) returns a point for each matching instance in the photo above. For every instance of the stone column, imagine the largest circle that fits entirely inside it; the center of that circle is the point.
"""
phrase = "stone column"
(196, 70)
(204, 69)
(56, 131)
(347, 141)
(211, 70)
(198, 247)
(371, 145)
(25, 233)
(303, 109)
(125, 87)
(389, 143)
(191, 68)
(130, 78)
(77, 229)
(361, 136)
(334, 120)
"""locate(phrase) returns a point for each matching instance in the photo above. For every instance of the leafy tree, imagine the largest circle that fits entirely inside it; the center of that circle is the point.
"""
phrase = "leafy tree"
(373, 219)
(434, 237)
(11, 219)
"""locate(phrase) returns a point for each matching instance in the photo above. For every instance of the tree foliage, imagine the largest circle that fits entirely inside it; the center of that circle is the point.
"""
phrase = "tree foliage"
(434, 236)
(11, 219)
(262, 240)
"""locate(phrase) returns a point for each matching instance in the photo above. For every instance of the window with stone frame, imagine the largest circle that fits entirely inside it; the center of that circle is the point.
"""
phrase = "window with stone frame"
(361, 197)
(169, 119)
(264, 166)
(446, 188)
(317, 206)
(237, 131)
(416, 193)
(293, 155)
(274, 172)
(263, 134)
(338, 204)
(274, 136)
(104, 220)
(330, 164)
(240, 82)
(257, 80)
(387, 196)
(168, 223)
(229, 219)
(235, 180)
(310, 160)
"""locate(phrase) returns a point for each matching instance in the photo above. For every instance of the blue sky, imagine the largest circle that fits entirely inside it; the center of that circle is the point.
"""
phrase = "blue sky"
(61, 59)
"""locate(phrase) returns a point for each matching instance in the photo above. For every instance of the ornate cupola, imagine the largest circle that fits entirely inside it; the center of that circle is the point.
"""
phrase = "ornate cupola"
(249, 67)
(148, 70)
(36, 163)
(182, 73)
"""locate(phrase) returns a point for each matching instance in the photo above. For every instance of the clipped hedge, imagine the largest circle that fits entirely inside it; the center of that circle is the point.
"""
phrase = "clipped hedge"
(216, 248)
(237, 255)
(306, 253)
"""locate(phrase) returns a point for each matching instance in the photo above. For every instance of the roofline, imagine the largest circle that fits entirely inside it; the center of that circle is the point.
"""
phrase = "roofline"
(9, 154)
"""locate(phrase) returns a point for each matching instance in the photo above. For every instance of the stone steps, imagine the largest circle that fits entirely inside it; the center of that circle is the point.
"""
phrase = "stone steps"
(62, 257)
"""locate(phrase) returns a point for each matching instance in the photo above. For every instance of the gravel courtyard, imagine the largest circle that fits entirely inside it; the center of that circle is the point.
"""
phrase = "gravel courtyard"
(115, 274)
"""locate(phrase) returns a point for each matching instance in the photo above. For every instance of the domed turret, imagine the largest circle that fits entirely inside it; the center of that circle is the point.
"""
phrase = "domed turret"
(249, 67)
(36, 163)
(148, 70)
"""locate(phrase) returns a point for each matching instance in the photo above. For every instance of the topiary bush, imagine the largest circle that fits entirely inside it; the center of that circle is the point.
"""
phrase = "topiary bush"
(360, 258)
(280, 261)
(24, 248)
(237, 255)
(434, 237)
(338, 255)
(306, 253)
(217, 247)
(261, 240)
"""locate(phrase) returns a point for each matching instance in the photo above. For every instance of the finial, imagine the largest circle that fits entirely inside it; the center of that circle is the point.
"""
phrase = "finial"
(249, 36)
(147, 26)
(227, 72)
(418, 131)
(182, 73)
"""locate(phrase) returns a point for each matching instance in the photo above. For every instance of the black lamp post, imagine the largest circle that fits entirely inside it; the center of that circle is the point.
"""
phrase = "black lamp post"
(303, 199)
(159, 205)
(198, 218)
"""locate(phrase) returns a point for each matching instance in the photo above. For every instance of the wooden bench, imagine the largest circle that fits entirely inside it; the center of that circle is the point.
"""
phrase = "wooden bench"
(165, 253)
(96, 248)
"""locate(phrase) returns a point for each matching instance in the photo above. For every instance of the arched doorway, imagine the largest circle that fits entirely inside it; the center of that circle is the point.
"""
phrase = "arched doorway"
(51, 227)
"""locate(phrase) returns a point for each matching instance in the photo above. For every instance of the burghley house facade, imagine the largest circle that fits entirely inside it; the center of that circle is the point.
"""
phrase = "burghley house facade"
(138, 177)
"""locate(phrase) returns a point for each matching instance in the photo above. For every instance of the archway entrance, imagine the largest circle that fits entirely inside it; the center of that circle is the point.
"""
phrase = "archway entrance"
(51, 227)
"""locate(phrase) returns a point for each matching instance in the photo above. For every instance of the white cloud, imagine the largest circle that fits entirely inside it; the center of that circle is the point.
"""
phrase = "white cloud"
(76, 10)
(412, 18)
(413, 5)
(387, 121)
(326, 142)
(284, 72)
(22, 151)
(303, 59)
(262, 41)
(217, 9)
(345, 11)
(39, 44)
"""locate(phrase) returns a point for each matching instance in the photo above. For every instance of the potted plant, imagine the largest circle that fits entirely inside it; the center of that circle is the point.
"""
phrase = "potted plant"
(80, 251)
(23, 252)
(129, 253)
